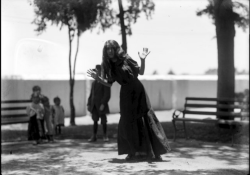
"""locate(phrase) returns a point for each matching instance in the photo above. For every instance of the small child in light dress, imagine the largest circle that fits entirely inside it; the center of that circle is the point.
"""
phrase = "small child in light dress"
(36, 113)
(58, 115)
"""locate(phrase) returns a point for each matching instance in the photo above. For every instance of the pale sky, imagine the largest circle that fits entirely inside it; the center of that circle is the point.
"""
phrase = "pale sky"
(177, 38)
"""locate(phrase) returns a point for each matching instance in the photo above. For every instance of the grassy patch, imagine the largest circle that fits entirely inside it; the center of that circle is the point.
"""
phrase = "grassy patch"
(196, 131)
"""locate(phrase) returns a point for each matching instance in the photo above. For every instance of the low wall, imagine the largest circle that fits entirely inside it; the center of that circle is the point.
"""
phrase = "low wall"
(22, 89)
(165, 92)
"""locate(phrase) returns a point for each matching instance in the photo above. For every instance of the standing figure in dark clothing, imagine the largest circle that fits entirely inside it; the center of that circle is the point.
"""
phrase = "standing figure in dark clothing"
(98, 106)
(35, 111)
(36, 91)
(46, 121)
(140, 134)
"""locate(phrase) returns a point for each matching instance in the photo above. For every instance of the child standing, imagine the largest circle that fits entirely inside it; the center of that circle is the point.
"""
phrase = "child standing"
(58, 115)
(36, 91)
(98, 106)
(48, 119)
(36, 113)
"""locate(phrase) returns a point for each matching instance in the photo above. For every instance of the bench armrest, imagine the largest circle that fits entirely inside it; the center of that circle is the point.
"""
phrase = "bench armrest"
(176, 113)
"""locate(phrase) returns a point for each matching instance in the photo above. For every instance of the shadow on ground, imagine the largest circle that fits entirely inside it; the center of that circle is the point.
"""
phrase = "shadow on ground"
(76, 156)
(197, 131)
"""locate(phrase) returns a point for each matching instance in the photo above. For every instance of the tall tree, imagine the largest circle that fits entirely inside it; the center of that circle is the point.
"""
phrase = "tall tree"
(130, 15)
(78, 16)
(225, 15)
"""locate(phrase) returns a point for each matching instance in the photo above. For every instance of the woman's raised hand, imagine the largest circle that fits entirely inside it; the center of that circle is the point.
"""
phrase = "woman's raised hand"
(92, 73)
(144, 53)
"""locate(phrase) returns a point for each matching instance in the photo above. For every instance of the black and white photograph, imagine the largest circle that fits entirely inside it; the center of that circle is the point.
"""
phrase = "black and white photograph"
(125, 87)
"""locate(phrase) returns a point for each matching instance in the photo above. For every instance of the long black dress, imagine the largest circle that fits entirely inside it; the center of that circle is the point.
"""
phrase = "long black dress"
(139, 130)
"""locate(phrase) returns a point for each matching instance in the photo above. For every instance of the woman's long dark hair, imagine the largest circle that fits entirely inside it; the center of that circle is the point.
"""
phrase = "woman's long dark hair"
(106, 65)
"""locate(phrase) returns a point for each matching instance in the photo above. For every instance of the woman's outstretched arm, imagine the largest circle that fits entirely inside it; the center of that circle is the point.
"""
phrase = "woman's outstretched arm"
(103, 81)
(143, 58)
(95, 76)
(142, 68)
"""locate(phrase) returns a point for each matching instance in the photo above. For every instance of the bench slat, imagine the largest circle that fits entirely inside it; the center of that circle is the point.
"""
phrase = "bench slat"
(233, 121)
(12, 108)
(15, 101)
(15, 121)
(212, 106)
(11, 116)
(17, 117)
(212, 99)
(196, 120)
(224, 114)
(212, 121)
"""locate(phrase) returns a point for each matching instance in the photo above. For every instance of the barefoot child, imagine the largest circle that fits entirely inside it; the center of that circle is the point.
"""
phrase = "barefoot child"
(58, 115)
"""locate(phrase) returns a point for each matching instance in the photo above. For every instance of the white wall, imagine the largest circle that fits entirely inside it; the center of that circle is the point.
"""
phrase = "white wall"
(165, 92)
(22, 89)
(192, 88)
(201, 86)
(159, 92)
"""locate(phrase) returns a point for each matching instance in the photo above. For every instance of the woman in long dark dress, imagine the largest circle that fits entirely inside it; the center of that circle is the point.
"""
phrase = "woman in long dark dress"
(139, 131)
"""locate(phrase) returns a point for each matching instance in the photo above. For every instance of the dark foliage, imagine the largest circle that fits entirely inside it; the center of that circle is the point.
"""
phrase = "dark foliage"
(240, 14)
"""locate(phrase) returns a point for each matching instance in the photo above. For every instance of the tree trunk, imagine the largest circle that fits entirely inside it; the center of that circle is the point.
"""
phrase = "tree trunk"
(71, 83)
(123, 27)
(225, 33)
(77, 48)
(72, 107)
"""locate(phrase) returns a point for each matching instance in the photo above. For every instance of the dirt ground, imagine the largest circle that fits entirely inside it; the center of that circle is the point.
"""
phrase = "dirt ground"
(80, 157)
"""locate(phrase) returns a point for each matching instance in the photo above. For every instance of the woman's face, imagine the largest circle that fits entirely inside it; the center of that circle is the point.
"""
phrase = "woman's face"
(111, 53)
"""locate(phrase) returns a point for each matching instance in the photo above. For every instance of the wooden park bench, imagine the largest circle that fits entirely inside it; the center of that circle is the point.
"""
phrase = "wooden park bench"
(209, 106)
(14, 111)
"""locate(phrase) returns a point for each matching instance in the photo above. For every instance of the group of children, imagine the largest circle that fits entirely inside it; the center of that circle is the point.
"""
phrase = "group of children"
(45, 120)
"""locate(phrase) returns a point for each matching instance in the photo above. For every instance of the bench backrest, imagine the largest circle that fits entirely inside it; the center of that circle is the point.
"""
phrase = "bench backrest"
(220, 106)
(14, 111)
(219, 103)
